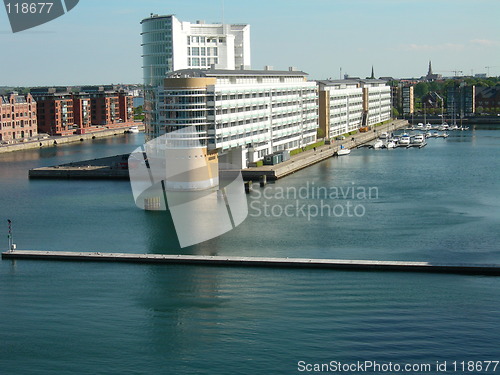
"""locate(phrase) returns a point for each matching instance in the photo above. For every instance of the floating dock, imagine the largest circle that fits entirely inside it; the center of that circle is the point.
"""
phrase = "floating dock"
(235, 261)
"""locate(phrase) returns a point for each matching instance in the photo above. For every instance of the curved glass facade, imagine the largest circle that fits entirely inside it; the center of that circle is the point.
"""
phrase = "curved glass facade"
(156, 49)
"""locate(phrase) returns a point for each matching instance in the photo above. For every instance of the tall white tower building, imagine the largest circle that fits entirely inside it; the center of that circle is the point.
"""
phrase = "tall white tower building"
(169, 44)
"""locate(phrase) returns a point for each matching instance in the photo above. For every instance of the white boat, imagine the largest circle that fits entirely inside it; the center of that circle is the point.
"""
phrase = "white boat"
(428, 126)
(133, 129)
(391, 144)
(343, 151)
(404, 140)
(428, 135)
(384, 135)
(444, 135)
(453, 127)
(418, 139)
(444, 127)
(420, 125)
(378, 144)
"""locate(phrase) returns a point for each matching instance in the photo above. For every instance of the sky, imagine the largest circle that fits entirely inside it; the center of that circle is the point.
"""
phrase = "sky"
(99, 42)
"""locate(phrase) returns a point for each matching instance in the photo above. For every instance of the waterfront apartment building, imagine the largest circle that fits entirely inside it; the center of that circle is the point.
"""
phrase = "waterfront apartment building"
(63, 112)
(346, 105)
(18, 117)
(82, 110)
(240, 114)
(408, 100)
(340, 107)
(488, 99)
(376, 101)
(108, 105)
(169, 44)
(461, 101)
(54, 110)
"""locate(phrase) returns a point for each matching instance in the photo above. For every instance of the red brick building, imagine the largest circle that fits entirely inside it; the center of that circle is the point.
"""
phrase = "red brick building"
(18, 117)
(488, 98)
(54, 110)
(126, 107)
(62, 112)
(82, 112)
(110, 107)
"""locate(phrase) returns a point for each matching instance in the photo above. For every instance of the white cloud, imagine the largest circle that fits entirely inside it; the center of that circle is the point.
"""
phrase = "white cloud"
(433, 47)
(485, 42)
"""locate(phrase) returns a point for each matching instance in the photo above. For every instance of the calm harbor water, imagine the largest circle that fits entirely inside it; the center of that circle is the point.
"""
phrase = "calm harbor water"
(436, 204)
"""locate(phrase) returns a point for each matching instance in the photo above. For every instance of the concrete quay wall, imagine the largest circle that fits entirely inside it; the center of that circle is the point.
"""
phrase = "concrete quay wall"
(55, 141)
(237, 261)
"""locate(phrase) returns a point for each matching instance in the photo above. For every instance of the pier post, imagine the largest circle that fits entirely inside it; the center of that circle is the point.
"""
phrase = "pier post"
(263, 180)
(248, 186)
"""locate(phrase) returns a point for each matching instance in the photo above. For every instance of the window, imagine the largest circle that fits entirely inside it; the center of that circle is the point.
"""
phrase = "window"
(215, 51)
(195, 61)
(189, 40)
(189, 51)
(203, 61)
(202, 49)
(195, 51)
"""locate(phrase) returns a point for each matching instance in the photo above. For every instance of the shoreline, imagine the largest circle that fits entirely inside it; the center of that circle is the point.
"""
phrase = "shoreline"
(52, 141)
(113, 167)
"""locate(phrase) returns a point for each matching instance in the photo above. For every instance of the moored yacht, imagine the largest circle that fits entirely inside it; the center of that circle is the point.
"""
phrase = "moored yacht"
(405, 139)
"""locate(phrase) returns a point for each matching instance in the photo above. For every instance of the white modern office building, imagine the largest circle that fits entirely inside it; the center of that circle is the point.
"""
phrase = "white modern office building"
(169, 44)
(341, 106)
(346, 105)
(240, 114)
(377, 100)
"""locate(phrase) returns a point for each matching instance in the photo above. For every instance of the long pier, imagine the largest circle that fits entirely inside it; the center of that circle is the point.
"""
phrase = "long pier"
(235, 261)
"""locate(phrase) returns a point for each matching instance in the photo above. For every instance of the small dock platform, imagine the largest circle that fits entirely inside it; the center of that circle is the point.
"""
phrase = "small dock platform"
(262, 262)
(109, 168)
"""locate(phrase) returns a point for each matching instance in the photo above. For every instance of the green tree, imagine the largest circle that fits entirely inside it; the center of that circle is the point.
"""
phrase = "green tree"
(421, 89)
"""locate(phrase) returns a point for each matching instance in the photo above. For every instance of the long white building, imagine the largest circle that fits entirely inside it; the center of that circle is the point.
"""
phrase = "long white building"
(347, 105)
(242, 114)
(377, 100)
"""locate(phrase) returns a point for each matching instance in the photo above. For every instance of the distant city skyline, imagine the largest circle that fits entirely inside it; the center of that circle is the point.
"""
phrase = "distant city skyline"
(100, 43)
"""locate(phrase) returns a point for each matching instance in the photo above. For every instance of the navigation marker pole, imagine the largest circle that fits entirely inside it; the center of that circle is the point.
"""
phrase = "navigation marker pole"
(12, 246)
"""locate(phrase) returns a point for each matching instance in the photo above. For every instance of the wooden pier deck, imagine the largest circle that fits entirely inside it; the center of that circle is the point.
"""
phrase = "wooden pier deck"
(235, 261)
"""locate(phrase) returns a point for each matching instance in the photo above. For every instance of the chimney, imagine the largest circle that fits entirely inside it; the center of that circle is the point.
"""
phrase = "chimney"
(268, 67)
(292, 69)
